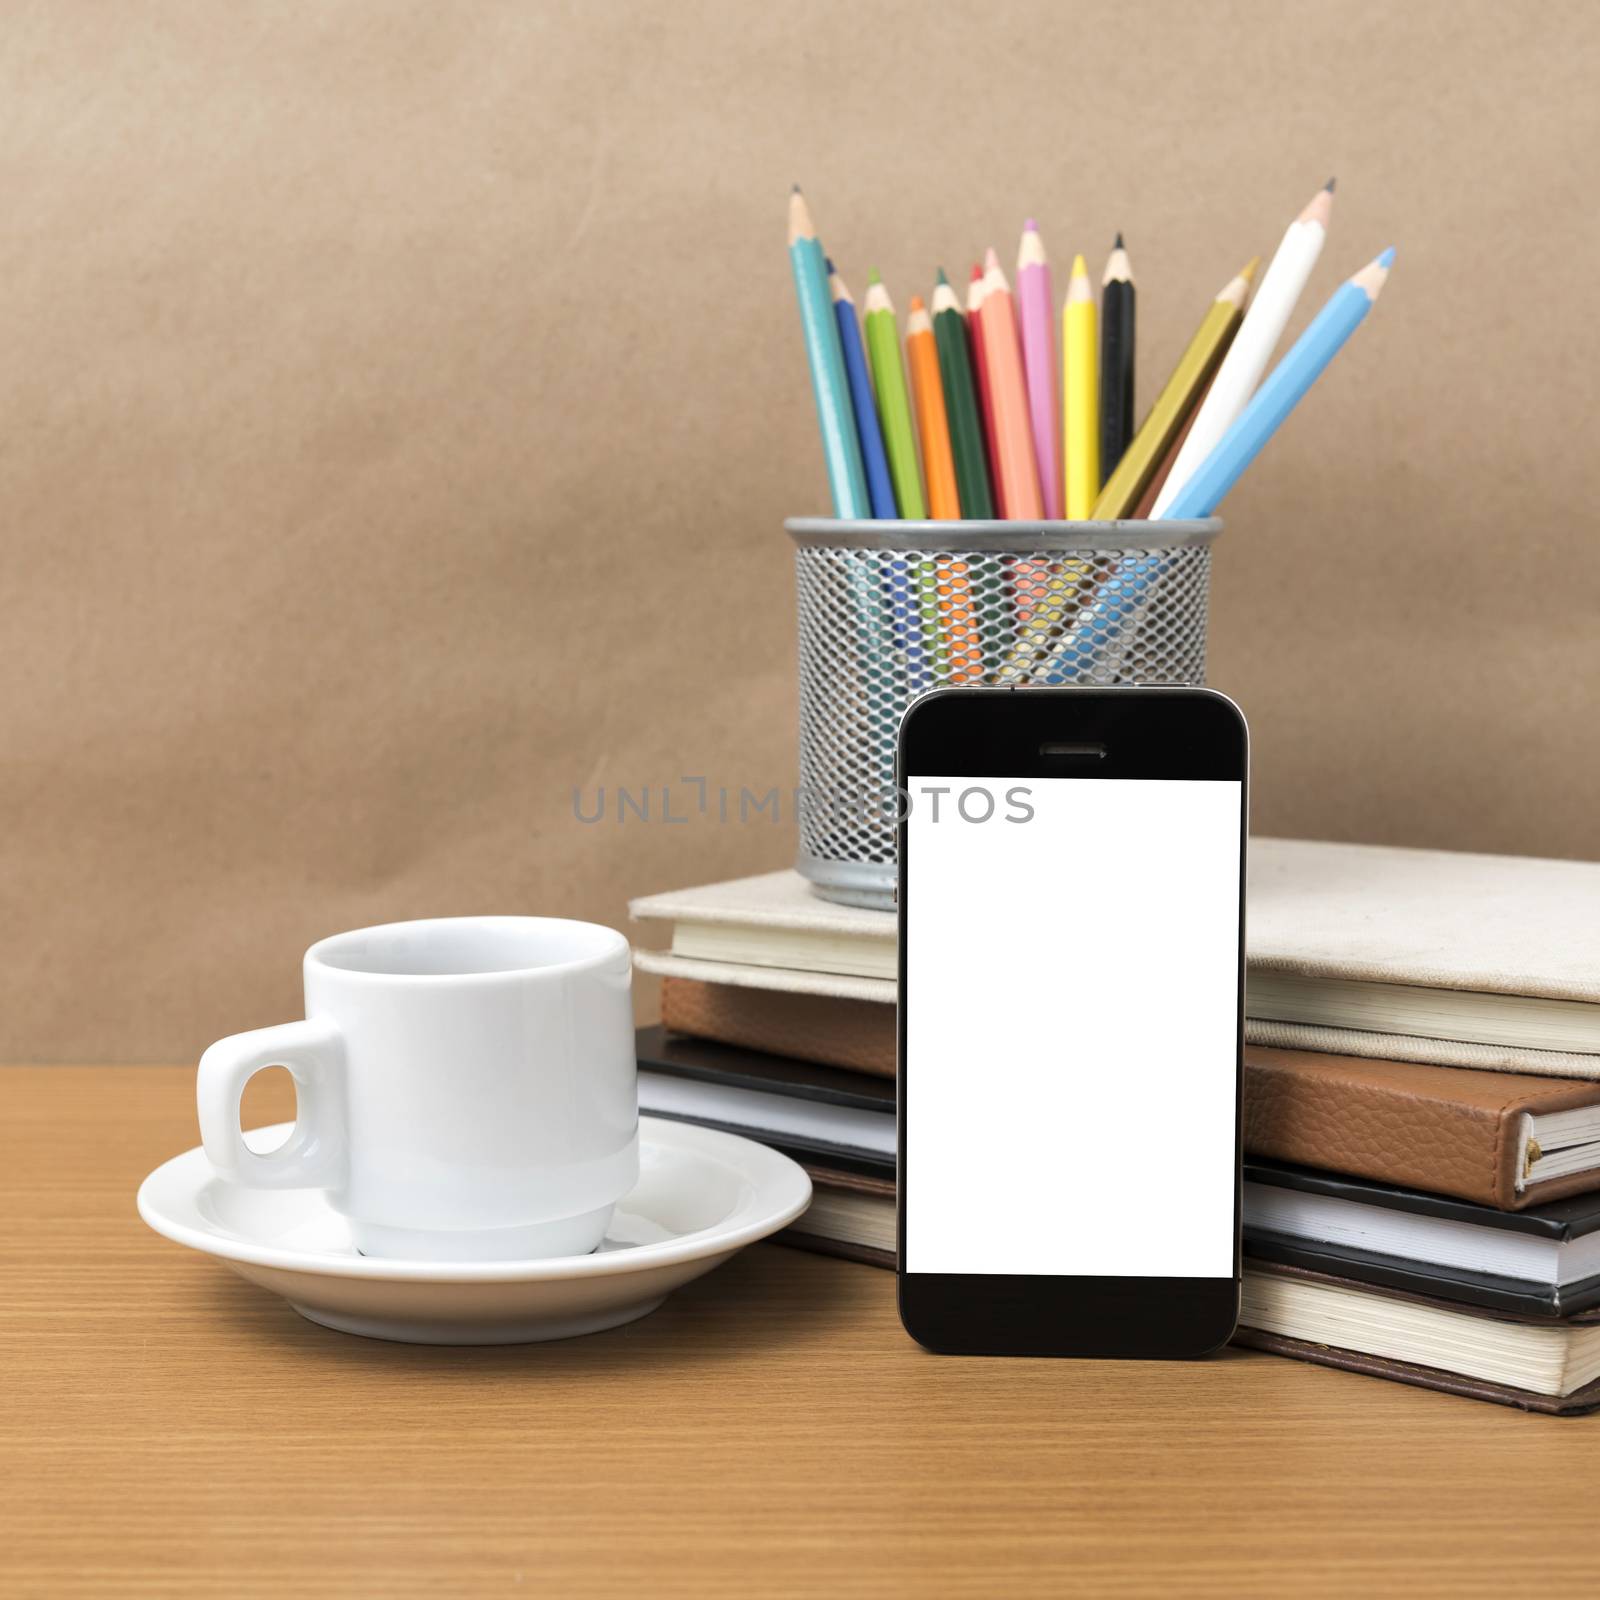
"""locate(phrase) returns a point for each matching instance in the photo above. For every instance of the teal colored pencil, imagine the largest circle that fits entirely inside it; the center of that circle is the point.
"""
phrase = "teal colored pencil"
(841, 446)
(1281, 392)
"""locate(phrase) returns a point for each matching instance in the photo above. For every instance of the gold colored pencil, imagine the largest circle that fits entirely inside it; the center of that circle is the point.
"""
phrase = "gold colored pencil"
(1152, 490)
(1182, 392)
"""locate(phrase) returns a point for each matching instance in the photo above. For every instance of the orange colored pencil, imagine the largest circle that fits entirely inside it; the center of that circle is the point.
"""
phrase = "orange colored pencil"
(933, 426)
(959, 625)
(1008, 391)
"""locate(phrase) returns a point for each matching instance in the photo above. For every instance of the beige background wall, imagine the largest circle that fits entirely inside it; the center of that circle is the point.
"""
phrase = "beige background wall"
(401, 402)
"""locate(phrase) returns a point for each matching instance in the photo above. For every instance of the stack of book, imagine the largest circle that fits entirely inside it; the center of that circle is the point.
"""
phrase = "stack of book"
(1421, 1098)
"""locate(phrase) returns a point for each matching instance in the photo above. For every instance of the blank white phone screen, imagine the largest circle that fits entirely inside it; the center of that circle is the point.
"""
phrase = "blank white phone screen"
(1072, 992)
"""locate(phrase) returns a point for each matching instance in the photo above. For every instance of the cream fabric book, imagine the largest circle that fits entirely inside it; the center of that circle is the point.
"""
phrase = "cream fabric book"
(1411, 955)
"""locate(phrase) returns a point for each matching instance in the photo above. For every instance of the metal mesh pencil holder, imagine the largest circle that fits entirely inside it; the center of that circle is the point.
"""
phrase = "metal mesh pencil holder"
(890, 610)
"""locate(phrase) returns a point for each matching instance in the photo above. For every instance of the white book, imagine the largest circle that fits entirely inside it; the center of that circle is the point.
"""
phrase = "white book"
(1555, 1359)
(1412, 955)
(1410, 1239)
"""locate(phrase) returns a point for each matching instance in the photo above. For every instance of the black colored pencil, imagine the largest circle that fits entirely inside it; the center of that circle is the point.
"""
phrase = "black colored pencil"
(1116, 359)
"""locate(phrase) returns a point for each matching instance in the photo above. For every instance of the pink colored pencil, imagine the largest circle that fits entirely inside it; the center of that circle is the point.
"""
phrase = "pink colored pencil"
(1008, 389)
(980, 369)
(1036, 309)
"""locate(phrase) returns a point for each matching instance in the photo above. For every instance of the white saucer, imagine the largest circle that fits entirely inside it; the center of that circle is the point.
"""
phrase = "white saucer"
(701, 1197)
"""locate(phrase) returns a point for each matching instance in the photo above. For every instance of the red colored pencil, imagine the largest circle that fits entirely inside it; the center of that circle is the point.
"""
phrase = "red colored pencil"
(980, 370)
(1008, 390)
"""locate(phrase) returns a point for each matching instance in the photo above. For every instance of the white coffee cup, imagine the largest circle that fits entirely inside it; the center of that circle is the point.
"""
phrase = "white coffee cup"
(467, 1087)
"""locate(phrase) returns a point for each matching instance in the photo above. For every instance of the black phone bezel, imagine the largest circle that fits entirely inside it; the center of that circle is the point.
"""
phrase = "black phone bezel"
(1132, 732)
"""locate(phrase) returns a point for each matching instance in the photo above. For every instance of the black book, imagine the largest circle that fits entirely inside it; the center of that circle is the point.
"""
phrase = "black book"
(804, 1110)
(1544, 1261)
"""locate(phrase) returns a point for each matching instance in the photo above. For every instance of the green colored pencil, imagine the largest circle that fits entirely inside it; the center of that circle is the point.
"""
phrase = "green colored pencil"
(961, 403)
(894, 404)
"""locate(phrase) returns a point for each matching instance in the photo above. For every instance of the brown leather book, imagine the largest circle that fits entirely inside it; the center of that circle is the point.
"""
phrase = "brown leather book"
(1453, 1130)
(855, 1034)
(1502, 1139)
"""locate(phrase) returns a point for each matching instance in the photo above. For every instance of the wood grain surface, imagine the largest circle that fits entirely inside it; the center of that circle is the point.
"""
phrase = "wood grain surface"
(167, 1429)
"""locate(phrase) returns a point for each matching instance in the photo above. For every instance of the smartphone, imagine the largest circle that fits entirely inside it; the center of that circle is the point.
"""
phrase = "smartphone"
(1071, 910)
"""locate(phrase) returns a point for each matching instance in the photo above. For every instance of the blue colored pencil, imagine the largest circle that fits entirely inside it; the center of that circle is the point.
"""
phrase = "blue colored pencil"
(1281, 392)
(880, 486)
(835, 416)
(907, 646)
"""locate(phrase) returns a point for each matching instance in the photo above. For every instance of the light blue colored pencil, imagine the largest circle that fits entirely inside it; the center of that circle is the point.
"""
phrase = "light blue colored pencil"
(835, 416)
(1281, 392)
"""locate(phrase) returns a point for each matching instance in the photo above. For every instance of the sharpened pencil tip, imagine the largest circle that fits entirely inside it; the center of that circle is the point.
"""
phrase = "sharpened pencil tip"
(1386, 260)
(977, 273)
(1030, 226)
(1119, 244)
(1329, 184)
(991, 260)
(828, 262)
(916, 303)
(1248, 272)
(1080, 268)
(872, 277)
(941, 278)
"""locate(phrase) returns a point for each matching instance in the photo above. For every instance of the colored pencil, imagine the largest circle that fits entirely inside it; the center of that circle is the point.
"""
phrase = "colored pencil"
(894, 407)
(923, 645)
(961, 622)
(933, 424)
(1080, 395)
(1117, 305)
(1036, 311)
(1176, 400)
(841, 447)
(952, 589)
(1248, 355)
(1017, 472)
(880, 491)
(1152, 490)
(1310, 354)
(961, 402)
(980, 370)
(1008, 392)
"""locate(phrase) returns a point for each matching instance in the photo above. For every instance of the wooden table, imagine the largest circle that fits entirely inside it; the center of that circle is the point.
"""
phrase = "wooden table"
(167, 1429)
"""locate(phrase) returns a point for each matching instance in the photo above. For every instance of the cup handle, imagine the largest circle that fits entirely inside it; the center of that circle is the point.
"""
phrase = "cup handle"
(313, 1154)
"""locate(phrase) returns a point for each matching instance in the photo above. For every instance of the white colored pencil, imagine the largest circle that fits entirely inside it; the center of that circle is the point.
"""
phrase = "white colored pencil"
(1253, 345)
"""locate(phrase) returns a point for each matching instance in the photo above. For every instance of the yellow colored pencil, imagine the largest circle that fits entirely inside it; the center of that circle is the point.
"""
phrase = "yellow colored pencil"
(1171, 410)
(1080, 395)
